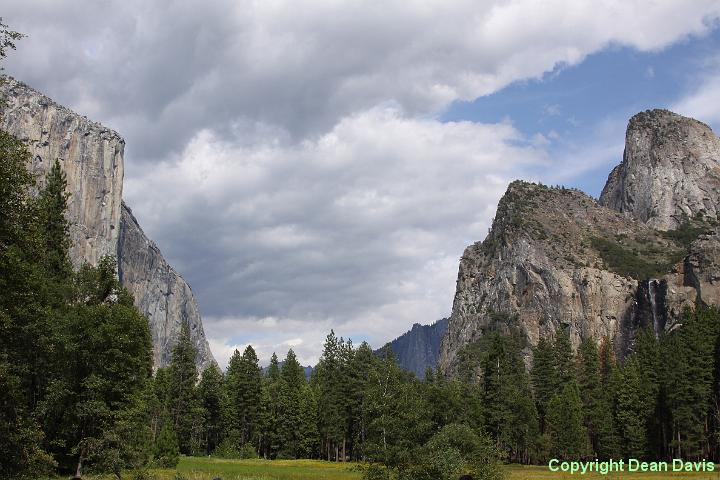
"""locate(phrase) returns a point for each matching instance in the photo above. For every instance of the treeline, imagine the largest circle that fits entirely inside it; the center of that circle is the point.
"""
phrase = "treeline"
(662, 401)
(75, 354)
(355, 407)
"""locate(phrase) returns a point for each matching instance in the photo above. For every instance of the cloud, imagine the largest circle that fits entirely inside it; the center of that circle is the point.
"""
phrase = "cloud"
(161, 71)
(285, 155)
(703, 101)
(360, 228)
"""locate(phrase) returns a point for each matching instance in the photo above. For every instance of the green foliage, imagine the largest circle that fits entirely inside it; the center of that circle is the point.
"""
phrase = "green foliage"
(510, 413)
(212, 400)
(565, 427)
(544, 377)
(687, 232)
(247, 451)
(638, 263)
(184, 402)
(53, 203)
(243, 383)
(167, 450)
(454, 451)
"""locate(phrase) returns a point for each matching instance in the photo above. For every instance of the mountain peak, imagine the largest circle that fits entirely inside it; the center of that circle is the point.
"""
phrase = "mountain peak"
(670, 171)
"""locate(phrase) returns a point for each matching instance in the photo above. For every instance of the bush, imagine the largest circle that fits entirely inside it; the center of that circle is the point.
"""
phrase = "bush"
(247, 451)
(374, 471)
(228, 448)
(454, 451)
(141, 474)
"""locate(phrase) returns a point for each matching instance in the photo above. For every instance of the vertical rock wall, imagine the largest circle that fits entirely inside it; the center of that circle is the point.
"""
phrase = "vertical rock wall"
(90, 154)
(92, 158)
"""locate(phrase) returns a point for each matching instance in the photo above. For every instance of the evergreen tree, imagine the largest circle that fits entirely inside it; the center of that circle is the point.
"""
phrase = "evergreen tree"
(360, 365)
(309, 436)
(243, 383)
(183, 395)
(268, 438)
(591, 390)
(274, 368)
(630, 414)
(567, 433)
(292, 379)
(330, 402)
(93, 408)
(53, 203)
(510, 414)
(544, 378)
(689, 375)
(564, 358)
(212, 400)
(167, 451)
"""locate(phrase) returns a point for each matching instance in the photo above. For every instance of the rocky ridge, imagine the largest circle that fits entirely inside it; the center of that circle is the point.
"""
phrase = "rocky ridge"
(92, 157)
(419, 348)
(557, 258)
(159, 291)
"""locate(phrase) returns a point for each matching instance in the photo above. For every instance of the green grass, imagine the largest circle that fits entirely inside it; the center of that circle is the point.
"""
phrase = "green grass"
(201, 468)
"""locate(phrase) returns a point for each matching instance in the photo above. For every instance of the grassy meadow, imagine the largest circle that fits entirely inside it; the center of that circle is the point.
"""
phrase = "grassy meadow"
(201, 468)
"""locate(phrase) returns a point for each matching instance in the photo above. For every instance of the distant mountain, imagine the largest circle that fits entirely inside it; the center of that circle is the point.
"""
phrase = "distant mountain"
(419, 348)
(308, 370)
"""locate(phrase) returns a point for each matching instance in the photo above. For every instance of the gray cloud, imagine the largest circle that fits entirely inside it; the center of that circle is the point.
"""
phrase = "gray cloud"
(285, 155)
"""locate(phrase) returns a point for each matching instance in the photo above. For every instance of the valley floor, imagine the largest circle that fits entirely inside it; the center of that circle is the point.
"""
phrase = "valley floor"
(200, 468)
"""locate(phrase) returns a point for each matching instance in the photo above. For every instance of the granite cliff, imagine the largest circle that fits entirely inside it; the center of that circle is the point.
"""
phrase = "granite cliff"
(557, 258)
(100, 224)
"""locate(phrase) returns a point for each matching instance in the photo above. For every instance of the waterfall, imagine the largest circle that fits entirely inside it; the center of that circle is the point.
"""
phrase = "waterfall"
(652, 298)
(655, 297)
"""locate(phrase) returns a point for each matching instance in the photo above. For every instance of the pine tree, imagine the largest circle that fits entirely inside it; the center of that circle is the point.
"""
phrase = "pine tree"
(212, 400)
(167, 451)
(53, 202)
(564, 358)
(309, 436)
(243, 382)
(328, 383)
(292, 379)
(510, 414)
(183, 394)
(564, 419)
(590, 384)
(544, 378)
(274, 368)
(630, 415)
(688, 376)
(92, 408)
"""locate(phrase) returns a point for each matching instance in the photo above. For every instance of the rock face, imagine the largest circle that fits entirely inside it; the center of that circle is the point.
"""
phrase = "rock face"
(419, 349)
(555, 258)
(669, 172)
(92, 158)
(159, 291)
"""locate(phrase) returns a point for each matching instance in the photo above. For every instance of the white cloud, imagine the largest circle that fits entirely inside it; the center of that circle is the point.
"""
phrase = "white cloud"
(359, 229)
(285, 154)
(161, 71)
(703, 101)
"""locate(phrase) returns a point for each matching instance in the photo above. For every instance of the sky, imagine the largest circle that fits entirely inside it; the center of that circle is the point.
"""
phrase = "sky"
(311, 165)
